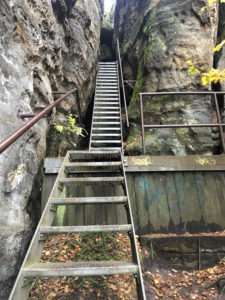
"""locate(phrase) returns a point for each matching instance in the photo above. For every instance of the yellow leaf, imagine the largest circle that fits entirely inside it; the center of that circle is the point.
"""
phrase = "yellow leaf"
(203, 8)
(205, 80)
(192, 69)
(189, 62)
(218, 47)
(211, 2)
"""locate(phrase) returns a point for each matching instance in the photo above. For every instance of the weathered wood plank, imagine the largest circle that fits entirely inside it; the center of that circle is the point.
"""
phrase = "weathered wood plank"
(220, 188)
(147, 163)
(211, 206)
(172, 199)
(121, 216)
(143, 195)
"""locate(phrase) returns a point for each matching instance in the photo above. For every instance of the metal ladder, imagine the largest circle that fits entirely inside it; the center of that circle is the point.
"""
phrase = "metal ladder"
(106, 130)
(108, 169)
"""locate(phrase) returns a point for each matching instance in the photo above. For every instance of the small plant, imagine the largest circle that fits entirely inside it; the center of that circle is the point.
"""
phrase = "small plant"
(70, 128)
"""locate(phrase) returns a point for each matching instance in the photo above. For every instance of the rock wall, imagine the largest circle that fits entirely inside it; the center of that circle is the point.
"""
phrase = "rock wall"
(45, 46)
(157, 37)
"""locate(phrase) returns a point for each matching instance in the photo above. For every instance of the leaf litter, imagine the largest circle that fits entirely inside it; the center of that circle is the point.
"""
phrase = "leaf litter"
(164, 284)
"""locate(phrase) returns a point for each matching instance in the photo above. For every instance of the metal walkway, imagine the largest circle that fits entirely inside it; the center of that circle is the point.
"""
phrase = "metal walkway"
(106, 130)
(102, 166)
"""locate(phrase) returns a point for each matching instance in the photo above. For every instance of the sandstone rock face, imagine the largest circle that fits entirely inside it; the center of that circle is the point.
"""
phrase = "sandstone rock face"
(157, 37)
(45, 46)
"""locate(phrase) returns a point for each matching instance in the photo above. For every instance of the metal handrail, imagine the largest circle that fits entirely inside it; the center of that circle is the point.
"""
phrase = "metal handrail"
(122, 81)
(218, 124)
(17, 133)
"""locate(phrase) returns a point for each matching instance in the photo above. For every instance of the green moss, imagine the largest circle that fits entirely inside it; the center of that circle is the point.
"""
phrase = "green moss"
(138, 88)
(182, 133)
(144, 58)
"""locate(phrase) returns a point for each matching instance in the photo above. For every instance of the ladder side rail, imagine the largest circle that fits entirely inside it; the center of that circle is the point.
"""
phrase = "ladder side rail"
(121, 123)
(19, 292)
(93, 110)
(139, 279)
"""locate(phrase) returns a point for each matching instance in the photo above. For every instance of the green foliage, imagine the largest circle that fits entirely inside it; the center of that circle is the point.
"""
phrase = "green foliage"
(97, 247)
(70, 128)
(93, 283)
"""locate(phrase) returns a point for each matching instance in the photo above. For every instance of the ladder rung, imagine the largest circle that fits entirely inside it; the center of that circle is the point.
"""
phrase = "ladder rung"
(91, 180)
(105, 134)
(106, 118)
(105, 148)
(100, 70)
(77, 156)
(106, 123)
(107, 80)
(106, 129)
(106, 141)
(80, 269)
(90, 228)
(107, 84)
(93, 164)
(107, 88)
(101, 95)
(107, 67)
(107, 77)
(88, 200)
(108, 99)
(104, 105)
(106, 112)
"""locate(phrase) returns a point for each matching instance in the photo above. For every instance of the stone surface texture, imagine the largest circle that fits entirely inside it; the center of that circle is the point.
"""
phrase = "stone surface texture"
(45, 46)
(157, 37)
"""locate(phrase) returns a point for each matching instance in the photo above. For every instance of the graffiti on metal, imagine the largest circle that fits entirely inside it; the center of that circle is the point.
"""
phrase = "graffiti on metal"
(205, 161)
(146, 161)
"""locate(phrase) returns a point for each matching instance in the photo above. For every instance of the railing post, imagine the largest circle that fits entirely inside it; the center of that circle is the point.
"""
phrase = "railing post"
(219, 121)
(122, 81)
(142, 123)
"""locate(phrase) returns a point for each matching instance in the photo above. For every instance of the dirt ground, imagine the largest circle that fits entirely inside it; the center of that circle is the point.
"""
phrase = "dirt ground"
(161, 281)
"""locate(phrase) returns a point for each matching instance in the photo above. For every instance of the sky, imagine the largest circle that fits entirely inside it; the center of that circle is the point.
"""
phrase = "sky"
(108, 4)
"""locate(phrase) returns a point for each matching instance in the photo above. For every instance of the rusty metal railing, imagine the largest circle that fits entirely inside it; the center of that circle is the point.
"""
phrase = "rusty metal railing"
(35, 118)
(122, 82)
(218, 124)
